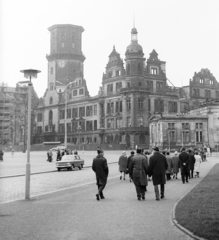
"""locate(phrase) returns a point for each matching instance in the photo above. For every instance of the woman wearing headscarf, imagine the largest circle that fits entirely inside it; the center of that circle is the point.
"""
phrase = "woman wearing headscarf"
(198, 161)
(175, 159)
(123, 161)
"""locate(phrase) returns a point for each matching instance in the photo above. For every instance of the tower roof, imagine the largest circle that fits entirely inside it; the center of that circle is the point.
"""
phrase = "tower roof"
(114, 52)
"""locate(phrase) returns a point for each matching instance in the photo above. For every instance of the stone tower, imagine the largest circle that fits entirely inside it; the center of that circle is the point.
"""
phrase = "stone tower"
(65, 61)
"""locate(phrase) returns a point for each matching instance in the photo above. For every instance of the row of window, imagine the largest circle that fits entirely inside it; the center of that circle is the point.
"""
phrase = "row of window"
(112, 123)
(79, 112)
(196, 93)
(184, 126)
(186, 135)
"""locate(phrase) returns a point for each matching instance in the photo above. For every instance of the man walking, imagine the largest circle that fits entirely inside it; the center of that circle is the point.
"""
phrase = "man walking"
(191, 163)
(129, 163)
(101, 169)
(157, 169)
(138, 172)
(184, 165)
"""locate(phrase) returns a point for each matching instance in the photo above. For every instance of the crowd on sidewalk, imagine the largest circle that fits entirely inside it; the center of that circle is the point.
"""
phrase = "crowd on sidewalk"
(156, 166)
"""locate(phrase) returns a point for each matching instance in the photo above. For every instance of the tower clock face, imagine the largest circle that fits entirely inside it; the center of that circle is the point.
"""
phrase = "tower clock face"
(61, 63)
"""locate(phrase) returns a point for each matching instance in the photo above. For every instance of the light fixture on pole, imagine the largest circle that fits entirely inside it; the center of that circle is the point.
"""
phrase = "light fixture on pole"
(79, 131)
(63, 89)
(29, 73)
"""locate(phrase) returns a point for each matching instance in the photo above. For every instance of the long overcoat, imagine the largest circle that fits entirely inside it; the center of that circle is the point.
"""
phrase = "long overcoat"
(139, 170)
(175, 160)
(184, 162)
(123, 161)
(169, 163)
(191, 161)
(198, 161)
(1, 155)
(157, 168)
(101, 169)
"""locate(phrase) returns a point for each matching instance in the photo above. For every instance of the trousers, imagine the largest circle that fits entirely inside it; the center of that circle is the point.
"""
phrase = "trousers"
(156, 189)
(140, 190)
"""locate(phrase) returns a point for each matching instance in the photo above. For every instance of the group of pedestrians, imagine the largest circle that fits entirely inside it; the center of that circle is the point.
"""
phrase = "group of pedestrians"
(142, 166)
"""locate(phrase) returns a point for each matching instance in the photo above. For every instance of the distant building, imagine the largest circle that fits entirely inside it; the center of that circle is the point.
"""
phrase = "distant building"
(175, 132)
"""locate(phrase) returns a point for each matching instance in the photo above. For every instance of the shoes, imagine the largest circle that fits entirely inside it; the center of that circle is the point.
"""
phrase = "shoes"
(157, 199)
(183, 182)
(123, 178)
(120, 178)
(143, 197)
(187, 181)
(102, 197)
(98, 197)
(162, 196)
(139, 198)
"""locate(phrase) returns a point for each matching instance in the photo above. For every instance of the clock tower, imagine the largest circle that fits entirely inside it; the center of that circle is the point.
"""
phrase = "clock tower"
(65, 61)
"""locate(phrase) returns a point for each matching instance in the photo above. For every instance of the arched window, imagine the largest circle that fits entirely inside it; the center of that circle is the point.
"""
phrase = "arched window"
(50, 115)
(51, 100)
(128, 69)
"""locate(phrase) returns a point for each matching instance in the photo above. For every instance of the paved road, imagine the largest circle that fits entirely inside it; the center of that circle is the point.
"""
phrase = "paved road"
(17, 164)
(74, 213)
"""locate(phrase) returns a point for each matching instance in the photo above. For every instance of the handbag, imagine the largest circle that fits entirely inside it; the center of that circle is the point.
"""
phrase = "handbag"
(126, 171)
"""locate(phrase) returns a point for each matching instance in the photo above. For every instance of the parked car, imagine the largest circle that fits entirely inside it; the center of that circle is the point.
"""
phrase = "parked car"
(70, 162)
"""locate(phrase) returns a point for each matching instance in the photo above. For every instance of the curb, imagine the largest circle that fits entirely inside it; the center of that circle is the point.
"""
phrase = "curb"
(51, 171)
(179, 226)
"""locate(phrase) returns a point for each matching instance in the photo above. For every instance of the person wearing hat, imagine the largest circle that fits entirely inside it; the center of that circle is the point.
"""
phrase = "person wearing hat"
(175, 159)
(157, 169)
(123, 161)
(138, 172)
(100, 167)
(184, 165)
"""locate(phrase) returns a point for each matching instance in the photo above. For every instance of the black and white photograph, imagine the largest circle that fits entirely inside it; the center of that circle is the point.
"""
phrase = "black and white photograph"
(109, 119)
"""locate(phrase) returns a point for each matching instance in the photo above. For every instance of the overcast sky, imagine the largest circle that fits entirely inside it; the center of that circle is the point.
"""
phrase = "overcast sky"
(184, 33)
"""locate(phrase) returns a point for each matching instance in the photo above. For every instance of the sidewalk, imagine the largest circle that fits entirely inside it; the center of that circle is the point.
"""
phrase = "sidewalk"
(75, 214)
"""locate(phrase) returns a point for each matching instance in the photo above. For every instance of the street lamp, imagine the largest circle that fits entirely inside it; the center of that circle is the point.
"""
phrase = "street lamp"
(29, 73)
(79, 131)
(63, 89)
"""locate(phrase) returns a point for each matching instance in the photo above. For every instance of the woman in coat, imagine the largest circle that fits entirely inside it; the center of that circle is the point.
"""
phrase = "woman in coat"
(123, 161)
(138, 172)
(1, 155)
(175, 160)
(170, 166)
(198, 161)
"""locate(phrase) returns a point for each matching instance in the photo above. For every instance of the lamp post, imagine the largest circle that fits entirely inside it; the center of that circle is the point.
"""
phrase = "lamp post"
(63, 89)
(29, 73)
(79, 131)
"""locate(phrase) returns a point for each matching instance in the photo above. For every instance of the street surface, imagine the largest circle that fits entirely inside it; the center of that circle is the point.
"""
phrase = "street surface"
(63, 205)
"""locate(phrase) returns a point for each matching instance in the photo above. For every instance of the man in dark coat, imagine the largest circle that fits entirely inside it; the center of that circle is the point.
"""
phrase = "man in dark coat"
(157, 169)
(138, 172)
(101, 169)
(1, 155)
(129, 163)
(184, 165)
(191, 163)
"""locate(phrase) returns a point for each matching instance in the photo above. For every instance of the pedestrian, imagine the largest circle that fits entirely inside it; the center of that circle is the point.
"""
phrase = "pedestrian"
(1, 155)
(175, 160)
(191, 163)
(170, 165)
(157, 169)
(184, 165)
(101, 170)
(12, 152)
(59, 156)
(139, 171)
(129, 164)
(198, 161)
(123, 160)
(208, 151)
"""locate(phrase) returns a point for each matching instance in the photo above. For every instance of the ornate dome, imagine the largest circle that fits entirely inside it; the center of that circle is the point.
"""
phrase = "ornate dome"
(134, 47)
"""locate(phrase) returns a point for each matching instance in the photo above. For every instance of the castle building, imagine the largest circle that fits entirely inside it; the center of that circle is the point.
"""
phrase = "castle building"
(132, 91)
